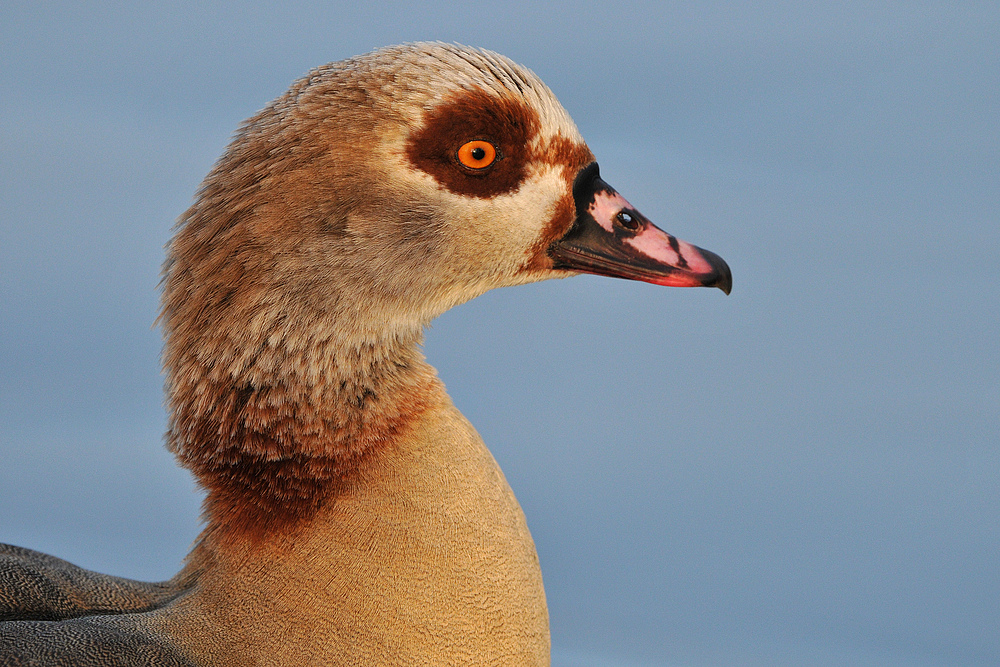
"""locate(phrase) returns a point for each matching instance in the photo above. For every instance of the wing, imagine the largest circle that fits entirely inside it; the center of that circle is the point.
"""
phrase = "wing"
(38, 587)
(94, 641)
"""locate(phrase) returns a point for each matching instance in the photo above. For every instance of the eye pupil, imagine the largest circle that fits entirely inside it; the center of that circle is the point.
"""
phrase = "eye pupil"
(478, 153)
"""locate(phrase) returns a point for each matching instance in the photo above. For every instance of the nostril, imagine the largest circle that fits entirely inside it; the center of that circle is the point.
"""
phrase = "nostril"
(627, 220)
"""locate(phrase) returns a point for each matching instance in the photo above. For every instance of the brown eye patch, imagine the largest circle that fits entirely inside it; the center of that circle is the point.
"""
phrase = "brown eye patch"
(507, 124)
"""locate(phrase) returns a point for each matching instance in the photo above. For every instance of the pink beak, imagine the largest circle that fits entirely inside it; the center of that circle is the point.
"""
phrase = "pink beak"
(610, 238)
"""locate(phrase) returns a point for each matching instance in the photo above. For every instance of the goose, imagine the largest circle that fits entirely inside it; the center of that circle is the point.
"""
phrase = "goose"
(352, 516)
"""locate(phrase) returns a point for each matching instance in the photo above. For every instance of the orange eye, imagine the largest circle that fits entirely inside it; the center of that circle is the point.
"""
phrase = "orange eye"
(477, 154)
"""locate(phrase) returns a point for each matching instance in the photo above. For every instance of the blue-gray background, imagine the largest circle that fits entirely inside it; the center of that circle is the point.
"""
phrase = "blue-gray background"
(804, 473)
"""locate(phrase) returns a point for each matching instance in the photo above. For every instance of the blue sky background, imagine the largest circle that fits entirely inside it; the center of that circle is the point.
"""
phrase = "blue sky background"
(803, 473)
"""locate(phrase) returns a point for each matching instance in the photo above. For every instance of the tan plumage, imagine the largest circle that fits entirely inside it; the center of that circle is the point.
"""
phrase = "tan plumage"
(354, 517)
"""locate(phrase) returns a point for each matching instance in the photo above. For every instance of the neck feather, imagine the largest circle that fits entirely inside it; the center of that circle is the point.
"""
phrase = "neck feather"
(269, 440)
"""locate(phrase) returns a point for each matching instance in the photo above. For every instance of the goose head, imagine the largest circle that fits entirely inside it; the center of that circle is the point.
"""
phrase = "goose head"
(375, 194)
(390, 187)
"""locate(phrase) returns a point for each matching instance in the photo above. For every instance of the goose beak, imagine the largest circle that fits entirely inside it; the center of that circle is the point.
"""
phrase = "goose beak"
(610, 238)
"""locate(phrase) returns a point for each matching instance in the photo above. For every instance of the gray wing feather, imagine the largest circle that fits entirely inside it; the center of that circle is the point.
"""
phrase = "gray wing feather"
(83, 642)
(38, 587)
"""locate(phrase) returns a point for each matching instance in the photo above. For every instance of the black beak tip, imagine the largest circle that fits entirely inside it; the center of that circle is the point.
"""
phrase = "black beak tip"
(722, 277)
